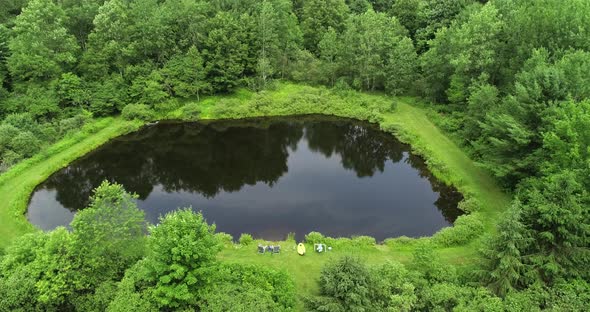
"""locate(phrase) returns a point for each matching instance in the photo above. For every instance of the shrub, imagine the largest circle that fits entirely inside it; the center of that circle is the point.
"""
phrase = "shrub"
(137, 111)
(314, 238)
(73, 123)
(240, 287)
(345, 286)
(25, 144)
(363, 241)
(469, 204)
(246, 239)
(399, 241)
(291, 236)
(225, 238)
(466, 227)
(7, 133)
(9, 158)
(191, 111)
(167, 106)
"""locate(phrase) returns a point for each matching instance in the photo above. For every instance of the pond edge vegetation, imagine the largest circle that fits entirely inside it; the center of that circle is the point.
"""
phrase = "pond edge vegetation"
(483, 201)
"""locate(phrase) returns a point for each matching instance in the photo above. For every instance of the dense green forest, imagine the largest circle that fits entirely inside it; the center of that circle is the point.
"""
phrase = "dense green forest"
(508, 80)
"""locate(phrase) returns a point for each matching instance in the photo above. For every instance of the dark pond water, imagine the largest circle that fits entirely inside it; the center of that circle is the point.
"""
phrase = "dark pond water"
(267, 177)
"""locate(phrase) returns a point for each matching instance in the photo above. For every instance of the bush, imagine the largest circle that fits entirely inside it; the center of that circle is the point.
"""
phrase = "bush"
(167, 106)
(25, 144)
(137, 111)
(466, 228)
(246, 239)
(345, 286)
(7, 133)
(225, 238)
(239, 287)
(469, 204)
(363, 241)
(191, 111)
(73, 123)
(315, 238)
(399, 241)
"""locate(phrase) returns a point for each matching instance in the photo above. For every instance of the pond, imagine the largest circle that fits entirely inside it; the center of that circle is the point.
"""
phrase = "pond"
(267, 177)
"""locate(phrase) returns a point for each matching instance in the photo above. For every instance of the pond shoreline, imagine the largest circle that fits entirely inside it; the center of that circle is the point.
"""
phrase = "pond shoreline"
(409, 123)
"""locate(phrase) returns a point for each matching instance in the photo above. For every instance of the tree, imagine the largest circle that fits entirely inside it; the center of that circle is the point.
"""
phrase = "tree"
(407, 12)
(512, 131)
(554, 211)
(369, 38)
(483, 97)
(267, 32)
(566, 142)
(185, 74)
(330, 49)
(181, 250)
(344, 286)
(107, 237)
(434, 15)
(401, 68)
(463, 54)
(504, 268)
(71, 91)
(41, 47)
(318, 16)
(225, 52)
(80, 15)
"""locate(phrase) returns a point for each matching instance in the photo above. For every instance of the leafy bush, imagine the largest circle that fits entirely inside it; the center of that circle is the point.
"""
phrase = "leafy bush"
(469, 204)
(224, 238)
(364, 241)
(345, 286)
(399, 241)
(138, 111)
(315, 238)
(73, 123)
(191, 111)
(7, 133)
(25, 144)
(466, 227)
(240, 287)
(246, 239)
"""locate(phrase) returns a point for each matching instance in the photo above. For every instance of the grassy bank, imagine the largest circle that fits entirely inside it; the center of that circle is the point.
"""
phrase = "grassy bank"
(448, 162)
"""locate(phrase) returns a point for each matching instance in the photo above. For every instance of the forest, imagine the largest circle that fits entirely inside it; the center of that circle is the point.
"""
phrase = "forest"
(508, 81)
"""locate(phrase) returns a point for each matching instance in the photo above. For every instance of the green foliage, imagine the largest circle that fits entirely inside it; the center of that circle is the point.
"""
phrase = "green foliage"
(465, 228)
(344, 286)
(137, 111)
(181, 249)
(245, 239)
(41, 47)
(555, 214)
(318, 16)
(191, 111)
(504, 269)
(185, 75)
(54, 270)
(248, 288)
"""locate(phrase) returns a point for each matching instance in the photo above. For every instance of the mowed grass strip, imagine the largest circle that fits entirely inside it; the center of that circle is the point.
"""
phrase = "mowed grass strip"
(411, 124)
(17, 185)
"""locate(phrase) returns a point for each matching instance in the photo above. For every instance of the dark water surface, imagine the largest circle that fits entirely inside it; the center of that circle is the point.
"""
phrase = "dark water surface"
(267, 177)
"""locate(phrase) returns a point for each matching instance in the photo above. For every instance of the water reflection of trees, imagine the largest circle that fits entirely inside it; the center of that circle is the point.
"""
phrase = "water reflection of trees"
(362, 148)
(225, 156)
(448, 197)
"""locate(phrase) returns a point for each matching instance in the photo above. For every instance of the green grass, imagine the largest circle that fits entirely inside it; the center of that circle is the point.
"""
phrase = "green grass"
(17, 184)
(409, 121)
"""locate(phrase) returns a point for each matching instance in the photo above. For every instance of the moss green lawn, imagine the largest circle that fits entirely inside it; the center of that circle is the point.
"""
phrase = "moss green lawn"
(409, 121)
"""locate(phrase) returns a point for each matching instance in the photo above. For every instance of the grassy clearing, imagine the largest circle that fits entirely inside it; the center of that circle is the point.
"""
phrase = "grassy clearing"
(17, 184)
(409, 122)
